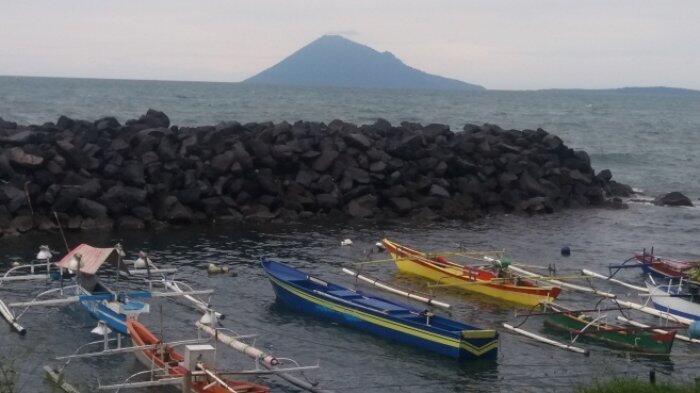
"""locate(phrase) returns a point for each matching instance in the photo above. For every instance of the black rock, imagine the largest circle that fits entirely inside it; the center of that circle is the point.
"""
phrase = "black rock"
(90, 208)
(674, 198)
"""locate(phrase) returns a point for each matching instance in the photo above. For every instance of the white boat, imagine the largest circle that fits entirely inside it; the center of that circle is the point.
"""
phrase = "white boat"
(669, 298)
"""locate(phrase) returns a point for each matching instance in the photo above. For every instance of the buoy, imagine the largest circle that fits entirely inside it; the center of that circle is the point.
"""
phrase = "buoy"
(566, 251)
(694, 329)
(346, 242)
(214, 269)
(380, 246)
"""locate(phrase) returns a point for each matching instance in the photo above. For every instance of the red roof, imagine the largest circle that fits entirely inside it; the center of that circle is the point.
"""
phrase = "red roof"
(91, 258)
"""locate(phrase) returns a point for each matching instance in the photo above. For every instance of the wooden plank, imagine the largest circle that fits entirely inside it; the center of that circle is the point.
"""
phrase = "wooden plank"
(57, 378)
(546, 340)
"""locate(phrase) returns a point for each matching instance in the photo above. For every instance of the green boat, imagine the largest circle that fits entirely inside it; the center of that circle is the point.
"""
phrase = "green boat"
(628, 338)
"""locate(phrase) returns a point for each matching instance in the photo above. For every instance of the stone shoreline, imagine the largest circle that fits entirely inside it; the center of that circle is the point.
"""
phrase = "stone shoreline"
(146, 173)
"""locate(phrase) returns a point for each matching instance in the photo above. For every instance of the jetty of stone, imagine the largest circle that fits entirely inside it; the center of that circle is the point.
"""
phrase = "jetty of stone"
(146, 173)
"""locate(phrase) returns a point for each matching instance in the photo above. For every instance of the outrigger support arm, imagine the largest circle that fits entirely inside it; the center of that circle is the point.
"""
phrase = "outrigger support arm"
(266, 360)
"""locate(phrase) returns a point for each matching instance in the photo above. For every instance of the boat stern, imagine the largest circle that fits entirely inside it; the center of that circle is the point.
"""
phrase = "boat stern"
(478, 344)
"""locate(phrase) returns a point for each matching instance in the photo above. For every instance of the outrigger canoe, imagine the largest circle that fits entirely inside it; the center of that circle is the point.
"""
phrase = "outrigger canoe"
(379, 316)
(164, 357)
(670, 299)
(494, 282)
(620, 337)
(687, 271)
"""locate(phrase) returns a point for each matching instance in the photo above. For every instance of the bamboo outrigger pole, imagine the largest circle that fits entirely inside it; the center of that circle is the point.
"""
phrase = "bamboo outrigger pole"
(639, 324)
(613, 280)
(266, 360)
(546, 340)
(381, 285)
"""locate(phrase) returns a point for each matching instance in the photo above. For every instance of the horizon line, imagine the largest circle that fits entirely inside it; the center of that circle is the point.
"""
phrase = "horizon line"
(339, 87)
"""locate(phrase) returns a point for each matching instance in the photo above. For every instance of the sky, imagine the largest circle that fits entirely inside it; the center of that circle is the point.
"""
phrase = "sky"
(518, 44)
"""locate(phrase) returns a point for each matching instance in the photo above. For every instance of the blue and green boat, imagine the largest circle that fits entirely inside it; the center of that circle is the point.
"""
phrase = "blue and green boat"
(382, 317)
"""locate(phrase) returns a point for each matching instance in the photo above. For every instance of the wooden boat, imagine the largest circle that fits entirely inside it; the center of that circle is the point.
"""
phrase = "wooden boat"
(379, 316)
(495, 282)
(626, 338)
(164, 357)
(670, 269)
(670, 299)
(80, 267)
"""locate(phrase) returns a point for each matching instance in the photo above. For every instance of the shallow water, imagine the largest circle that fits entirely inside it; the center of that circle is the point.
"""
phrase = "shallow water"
(648, 141)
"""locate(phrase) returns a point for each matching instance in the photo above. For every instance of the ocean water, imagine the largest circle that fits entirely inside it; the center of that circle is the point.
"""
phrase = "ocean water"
(648, 140)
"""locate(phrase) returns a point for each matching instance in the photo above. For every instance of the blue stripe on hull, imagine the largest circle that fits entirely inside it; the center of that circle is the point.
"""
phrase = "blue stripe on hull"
(295, 302)
(675, 312)
(116, 322)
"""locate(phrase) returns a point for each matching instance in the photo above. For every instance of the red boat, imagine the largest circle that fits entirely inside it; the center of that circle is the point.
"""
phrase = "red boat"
(166, 357)
(672, 269)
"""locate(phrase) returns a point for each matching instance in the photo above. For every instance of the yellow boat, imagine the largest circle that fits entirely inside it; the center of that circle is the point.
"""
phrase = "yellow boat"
(498, 283)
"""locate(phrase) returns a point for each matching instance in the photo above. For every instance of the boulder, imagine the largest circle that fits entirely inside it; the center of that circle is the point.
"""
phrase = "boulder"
(130, 223)
(22, 159)
(674, 198)
(358, 141)
(90, 208)
(325, 160)
(439, 191)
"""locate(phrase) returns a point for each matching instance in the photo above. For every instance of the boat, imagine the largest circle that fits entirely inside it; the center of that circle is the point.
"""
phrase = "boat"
(672, 269)
(669, 298)
(165, 357)
(80, 267)
(637, 339)
(495, 281)
(95, 297)
(418, 328)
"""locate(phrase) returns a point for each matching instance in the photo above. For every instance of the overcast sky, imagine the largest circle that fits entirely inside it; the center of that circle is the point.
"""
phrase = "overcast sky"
(515, 44)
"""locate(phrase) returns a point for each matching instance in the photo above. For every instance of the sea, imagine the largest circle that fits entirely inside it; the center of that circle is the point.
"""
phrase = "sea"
(648, 139)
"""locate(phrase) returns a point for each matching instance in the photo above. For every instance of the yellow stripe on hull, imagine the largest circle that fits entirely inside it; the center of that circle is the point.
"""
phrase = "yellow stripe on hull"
(423, 334)
(408, 266)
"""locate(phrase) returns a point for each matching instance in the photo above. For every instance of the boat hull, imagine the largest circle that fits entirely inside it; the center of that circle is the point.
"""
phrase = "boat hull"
(637, 341)
(464, 349)
(153, 359)
(664, 301)
(519, 294)
(100, 311)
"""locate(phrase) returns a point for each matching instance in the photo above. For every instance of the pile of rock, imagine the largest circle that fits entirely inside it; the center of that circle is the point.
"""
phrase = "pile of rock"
(146, 173)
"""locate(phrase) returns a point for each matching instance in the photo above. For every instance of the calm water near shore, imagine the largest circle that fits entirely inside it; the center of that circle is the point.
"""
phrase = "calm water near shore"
(647, 140)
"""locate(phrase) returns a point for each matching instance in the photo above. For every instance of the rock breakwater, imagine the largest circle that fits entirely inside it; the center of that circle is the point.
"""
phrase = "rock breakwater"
(146, 173)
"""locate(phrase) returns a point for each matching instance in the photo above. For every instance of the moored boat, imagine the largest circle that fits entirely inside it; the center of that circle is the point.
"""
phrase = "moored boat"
(167, 358)
(620, 337)
(669, 298)
(496, 282)
(379, 316)
(671, 269)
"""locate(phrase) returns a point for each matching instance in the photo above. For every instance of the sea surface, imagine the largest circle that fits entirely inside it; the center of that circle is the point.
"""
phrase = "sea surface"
(648, 141)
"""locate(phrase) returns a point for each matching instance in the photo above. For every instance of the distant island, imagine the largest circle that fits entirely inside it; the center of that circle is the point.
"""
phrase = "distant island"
(336, 61)
(636, 90)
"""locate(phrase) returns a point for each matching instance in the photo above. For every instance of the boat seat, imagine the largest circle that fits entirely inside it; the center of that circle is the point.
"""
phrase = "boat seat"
(345, 294)
(381, 305)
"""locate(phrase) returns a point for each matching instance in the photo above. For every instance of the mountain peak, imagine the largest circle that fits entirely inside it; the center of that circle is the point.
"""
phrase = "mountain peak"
(333, 60)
